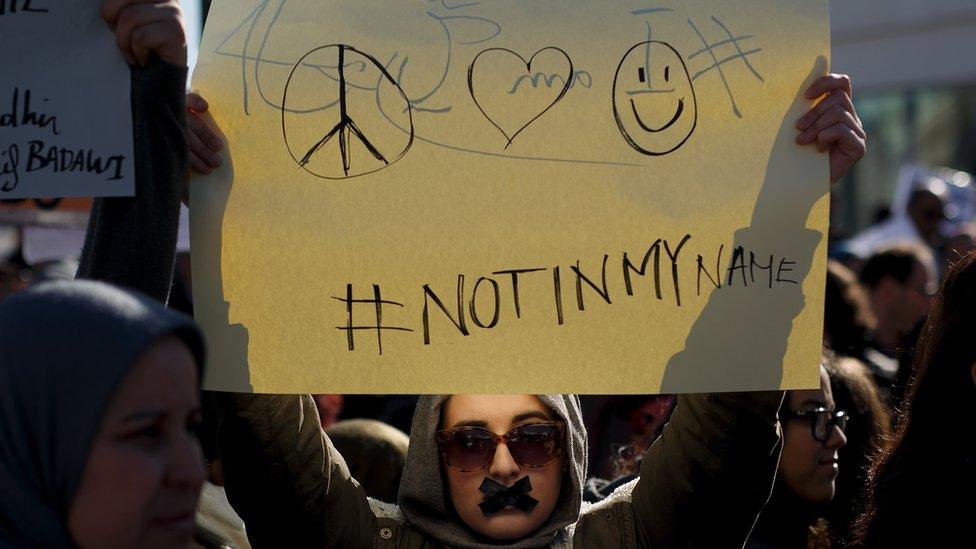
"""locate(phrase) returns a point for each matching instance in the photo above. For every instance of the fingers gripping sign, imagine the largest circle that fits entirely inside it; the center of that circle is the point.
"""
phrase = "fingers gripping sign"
(144, 27)
(202, 141)
(833, 124)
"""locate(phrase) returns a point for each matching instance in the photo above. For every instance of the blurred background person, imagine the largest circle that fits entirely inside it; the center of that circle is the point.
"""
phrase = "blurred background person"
(922, 484)
(375, 454)
(620, 430)
(900, 282)
(919, 225)
(849, 320)
(329, 407)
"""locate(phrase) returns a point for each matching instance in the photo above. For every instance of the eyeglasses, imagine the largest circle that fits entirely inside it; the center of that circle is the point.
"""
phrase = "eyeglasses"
(822, 420)
(533, 445)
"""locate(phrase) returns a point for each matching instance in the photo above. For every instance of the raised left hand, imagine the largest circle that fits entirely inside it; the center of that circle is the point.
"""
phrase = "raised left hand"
(833, 124)
(143, 27)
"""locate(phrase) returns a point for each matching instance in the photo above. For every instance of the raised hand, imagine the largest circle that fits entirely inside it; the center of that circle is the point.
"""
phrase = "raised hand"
(202, 142)
(144, 27)
(833, 124)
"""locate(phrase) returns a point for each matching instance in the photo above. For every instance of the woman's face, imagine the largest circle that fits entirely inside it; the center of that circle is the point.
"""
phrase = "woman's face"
(500, 414)
(809, 466)
(145, 467)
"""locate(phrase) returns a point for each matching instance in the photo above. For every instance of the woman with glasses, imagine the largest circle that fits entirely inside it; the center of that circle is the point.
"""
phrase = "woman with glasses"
(813, 433)
(99, 387)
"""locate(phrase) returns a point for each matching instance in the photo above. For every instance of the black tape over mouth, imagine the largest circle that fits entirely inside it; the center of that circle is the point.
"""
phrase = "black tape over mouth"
(499, 496)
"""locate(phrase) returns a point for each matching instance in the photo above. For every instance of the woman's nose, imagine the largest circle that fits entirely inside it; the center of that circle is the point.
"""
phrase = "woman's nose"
(186, 467)
(836, 439)
(503, 465)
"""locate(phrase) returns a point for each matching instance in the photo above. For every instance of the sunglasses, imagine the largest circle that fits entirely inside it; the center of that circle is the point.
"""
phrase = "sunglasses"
(532, 445)
(822, 420)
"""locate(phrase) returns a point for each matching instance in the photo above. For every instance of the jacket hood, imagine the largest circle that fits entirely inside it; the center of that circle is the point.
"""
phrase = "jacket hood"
(424, 499)
(64, 348)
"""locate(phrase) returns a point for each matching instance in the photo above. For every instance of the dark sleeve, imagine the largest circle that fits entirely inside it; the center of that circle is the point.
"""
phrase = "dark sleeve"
(704, 482)
(284, 477)
(131, 241)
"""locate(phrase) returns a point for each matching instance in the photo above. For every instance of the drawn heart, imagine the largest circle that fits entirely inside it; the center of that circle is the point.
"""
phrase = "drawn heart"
(494, 97)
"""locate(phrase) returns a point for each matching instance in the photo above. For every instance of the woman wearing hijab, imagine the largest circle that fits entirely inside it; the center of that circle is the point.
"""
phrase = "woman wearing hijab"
(98, 403)
(98, 386)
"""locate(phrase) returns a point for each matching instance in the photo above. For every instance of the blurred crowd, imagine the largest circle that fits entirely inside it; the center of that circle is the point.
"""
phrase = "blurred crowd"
(107, 441)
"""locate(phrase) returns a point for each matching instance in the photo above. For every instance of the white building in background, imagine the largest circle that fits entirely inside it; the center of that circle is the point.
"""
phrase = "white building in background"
(193, 14)
(904, 43)
(914, 66)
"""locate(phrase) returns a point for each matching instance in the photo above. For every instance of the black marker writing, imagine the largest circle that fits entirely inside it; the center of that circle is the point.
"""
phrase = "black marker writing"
(753, 265)
(41, 156)
(22, 114)
(480, 305)
(474, 309)
(9, 163)
(377, 302)
(558, 290)
(782, 269)
(717, 281)
(674, 265)
(22, 6)
(738, 263)
(628, 267)
(459, 323)
(738, 267)
(515, 288)
(655, 249)
(580, 278)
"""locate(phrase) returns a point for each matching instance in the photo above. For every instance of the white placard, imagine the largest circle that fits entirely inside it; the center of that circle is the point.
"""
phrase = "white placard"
(65, 111)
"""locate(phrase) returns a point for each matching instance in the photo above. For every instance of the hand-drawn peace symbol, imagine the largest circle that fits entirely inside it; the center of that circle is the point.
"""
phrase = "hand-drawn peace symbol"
(367, 108)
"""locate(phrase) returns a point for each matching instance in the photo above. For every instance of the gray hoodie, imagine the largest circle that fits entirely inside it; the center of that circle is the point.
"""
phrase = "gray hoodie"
(423, 497)
(701, 485)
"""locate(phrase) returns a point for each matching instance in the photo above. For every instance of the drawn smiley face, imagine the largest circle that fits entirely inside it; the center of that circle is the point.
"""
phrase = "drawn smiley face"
(654, 100)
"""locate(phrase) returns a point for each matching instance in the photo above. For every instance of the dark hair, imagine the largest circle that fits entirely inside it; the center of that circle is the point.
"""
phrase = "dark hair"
(940, 397)
(897, 262)
(928, 188)
(787, 520)
(847, 314)
(868, 428)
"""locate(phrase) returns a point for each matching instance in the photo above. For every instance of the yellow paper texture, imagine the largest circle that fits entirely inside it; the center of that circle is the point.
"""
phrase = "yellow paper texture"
(461, 141)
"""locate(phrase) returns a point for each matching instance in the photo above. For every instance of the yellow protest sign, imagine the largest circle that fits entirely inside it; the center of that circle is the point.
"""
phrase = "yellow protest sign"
(505, 196)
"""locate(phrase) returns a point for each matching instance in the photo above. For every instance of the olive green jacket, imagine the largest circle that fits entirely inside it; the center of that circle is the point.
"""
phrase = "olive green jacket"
(702, 484)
